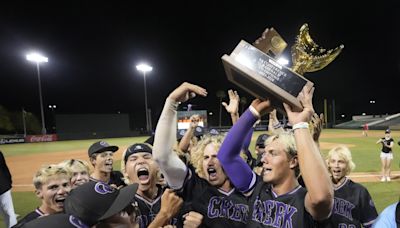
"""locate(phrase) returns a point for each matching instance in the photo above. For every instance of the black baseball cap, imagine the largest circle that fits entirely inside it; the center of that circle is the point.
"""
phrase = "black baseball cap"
(261, 140)
(137, 148)
(199, 131)
(387, 131)
(96, 201)
(214, 131)
(101, 146)
(180, 133)
(56, 220)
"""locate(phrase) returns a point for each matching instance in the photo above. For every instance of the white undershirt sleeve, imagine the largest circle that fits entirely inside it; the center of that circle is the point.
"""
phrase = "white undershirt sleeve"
(172, 167)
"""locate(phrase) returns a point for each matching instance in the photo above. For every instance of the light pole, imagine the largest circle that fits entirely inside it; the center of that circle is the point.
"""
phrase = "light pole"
(145, 68)
(37, 58)
(53, 107)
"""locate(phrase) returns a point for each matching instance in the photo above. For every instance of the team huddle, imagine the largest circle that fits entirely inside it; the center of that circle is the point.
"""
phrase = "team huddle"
(210, 179)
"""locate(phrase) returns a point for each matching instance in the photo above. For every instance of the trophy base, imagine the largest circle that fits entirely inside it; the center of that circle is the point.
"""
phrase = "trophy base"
(261, 76)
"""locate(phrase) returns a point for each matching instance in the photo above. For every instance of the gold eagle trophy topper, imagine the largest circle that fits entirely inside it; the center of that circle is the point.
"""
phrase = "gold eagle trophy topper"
(255, 69)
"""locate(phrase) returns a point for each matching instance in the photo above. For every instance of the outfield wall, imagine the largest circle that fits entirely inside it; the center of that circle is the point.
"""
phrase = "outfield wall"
(92, 126)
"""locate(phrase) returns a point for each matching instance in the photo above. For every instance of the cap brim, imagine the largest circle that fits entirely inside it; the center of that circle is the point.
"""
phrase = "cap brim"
(108, 148)
(58, 220)
(124, 198)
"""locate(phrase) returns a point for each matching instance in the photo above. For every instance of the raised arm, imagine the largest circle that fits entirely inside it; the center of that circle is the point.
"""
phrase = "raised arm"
(319, 197)
(316, 127)
(171, 166)
(184, 144)
(233, 107)
(238, 171)
(274, 126)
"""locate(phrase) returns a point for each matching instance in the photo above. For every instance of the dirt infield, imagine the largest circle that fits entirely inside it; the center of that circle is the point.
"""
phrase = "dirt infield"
(23, 167)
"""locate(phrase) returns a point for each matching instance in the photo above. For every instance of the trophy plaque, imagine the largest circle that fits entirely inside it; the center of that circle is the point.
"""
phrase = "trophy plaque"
(255, 69)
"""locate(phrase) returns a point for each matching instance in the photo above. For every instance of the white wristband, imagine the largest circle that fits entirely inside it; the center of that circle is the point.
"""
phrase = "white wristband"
(301, 125)
(254, 112)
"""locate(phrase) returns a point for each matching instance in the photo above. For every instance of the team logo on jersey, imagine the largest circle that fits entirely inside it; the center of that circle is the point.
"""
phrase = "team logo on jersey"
(371, 203)
(76, 222)
(103, 189)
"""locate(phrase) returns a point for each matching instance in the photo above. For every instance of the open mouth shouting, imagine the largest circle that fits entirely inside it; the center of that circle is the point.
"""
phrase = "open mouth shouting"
(266, 171)
(108, 165)
(143, 175)
(59, 202)
(212, 173)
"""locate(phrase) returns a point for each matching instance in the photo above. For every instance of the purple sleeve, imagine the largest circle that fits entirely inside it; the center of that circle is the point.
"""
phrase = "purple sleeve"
(235, 167)
(247, 140)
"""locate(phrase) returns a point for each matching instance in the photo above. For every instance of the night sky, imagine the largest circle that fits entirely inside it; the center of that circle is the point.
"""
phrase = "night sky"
(93, 48)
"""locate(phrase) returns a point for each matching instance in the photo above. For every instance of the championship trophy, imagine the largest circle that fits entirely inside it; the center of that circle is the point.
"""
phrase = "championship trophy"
(255, 68)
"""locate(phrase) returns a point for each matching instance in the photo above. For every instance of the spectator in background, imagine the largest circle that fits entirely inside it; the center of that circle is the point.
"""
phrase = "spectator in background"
(79, 170)
(6, 202)
(101, 156)
(386, 154)
(365, 130)
(52, 185)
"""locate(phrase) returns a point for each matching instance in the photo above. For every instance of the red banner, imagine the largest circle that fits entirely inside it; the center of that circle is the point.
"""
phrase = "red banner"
(41, 138)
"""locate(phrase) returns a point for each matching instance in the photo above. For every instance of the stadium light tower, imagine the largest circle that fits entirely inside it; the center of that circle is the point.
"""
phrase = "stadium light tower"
(38, 58)
(145, 68)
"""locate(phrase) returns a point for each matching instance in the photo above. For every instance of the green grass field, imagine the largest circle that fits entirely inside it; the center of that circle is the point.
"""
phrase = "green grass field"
(365, 155)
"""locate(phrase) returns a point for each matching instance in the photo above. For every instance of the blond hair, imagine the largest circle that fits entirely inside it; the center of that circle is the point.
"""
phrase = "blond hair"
(197, 153)
(344, 153)
(45, 173)
(288, 141)
(75, 165)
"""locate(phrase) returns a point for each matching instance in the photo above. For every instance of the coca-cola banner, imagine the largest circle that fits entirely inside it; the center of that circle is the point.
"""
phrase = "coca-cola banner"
(11, 140)
(41, 138)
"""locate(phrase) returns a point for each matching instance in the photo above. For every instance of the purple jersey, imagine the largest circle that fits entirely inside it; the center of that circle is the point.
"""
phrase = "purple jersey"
(353, 207)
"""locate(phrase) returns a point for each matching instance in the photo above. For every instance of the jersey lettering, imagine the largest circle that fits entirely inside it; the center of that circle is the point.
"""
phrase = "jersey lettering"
(343, 207)
(273, 213)
(219, 206)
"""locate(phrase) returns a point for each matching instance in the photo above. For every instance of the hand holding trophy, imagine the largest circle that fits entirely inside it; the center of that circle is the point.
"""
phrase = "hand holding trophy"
(255, 69)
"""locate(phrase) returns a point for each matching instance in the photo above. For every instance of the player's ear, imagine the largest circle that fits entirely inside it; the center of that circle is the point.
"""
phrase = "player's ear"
(294, 162)
(39, 193)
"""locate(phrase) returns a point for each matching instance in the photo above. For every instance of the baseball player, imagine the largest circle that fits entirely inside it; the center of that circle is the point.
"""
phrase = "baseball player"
(353, 206)
(101, 157)
(276, 198)
(79, 170)
(205, 187)
(52, 185)
(139, 167)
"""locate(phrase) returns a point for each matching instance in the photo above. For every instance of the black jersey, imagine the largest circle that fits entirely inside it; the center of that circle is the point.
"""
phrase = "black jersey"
(148, 210)
(29, 217)
(386, 149)
(116, 178)
(219, 208)
(353, 207)
(269, 210)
